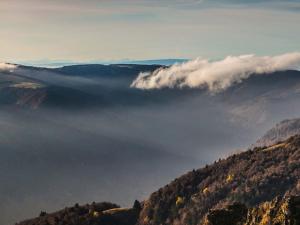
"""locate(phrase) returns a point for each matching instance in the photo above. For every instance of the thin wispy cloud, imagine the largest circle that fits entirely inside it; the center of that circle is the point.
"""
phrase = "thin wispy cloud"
(218, 75)
(145, 29)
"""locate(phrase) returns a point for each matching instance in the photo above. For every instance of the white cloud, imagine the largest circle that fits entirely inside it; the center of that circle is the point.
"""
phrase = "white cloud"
(6, 66)
(218, 75)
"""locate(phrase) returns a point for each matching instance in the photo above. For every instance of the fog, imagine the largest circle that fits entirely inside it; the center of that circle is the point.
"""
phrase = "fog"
(52, 159)
(124, 146)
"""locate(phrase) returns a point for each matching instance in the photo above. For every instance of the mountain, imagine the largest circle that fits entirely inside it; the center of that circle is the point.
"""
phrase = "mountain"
(250, 178)
(72, 86)
(259, 186)
(78, 86)
(61, 63)
(261, 98)
(110, 71)
(96, 85)
(280, 132)
(165, 62)
(252, 102)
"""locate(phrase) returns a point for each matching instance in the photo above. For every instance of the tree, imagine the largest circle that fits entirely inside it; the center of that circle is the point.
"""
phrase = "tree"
(137, 205)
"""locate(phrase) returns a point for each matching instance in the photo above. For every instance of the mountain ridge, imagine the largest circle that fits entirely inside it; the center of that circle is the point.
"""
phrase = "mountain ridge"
(279, 132)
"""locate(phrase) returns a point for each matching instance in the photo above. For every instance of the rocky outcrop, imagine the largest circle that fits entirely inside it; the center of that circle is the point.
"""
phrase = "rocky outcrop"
(279, 211)
(234, 214)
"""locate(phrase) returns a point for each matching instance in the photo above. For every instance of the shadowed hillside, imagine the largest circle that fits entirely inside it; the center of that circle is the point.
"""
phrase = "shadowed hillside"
(90, 214)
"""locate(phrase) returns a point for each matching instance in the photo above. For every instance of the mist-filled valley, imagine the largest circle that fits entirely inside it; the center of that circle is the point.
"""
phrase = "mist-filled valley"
(85, 133)
(149, 112)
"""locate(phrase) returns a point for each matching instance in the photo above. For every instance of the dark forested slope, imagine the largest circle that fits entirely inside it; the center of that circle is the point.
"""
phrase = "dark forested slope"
(90, 214)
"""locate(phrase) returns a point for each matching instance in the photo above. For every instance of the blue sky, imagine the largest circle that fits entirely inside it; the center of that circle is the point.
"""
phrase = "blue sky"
(84, 30)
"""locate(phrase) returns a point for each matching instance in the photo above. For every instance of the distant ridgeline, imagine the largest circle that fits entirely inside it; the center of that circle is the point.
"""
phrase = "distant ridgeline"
(259, 186)
(101, 86)
(280, 132)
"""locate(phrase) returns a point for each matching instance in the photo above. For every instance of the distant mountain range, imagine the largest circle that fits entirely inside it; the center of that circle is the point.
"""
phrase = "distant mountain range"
(60, 63)
(259, 186)
(104, 84)
(35, 87)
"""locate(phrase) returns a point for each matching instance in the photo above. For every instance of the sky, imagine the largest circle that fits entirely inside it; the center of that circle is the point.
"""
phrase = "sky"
(86, 30)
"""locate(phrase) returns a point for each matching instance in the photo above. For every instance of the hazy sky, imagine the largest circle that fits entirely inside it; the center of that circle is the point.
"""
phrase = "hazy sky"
(146, 29)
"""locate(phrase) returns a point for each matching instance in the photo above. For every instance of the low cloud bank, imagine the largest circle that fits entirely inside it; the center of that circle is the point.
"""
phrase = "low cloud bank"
(6, 66)
(218, 75)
